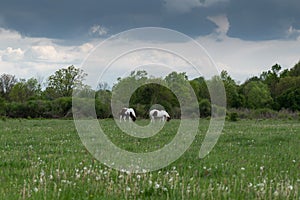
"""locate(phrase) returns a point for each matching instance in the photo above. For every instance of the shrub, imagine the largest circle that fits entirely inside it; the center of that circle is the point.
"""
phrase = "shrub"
(205, 108)
(233, 116)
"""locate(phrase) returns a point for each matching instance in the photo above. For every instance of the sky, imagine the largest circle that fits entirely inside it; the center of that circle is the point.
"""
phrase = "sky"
(241, 36)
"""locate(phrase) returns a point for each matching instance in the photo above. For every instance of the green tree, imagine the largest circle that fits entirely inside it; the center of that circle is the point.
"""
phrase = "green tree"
(257, 95)
(25, 90)
(233, 99)
(295, 71)
(103, 101)
(287, 93)
(200, 88)
(271, 78)
(179, 84)
(7, 82)
(64, 81)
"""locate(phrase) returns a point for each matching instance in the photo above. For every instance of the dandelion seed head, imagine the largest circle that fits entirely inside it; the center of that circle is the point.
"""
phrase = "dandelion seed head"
(156, 186)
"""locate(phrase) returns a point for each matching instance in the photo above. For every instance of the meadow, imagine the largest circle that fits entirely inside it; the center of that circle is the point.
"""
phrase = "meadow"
(253, 159)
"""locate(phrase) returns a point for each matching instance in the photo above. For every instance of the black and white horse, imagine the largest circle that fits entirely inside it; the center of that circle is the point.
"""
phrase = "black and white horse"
(127, 113)
(159, 114)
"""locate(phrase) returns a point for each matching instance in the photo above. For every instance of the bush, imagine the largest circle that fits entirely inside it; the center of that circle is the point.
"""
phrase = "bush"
(205, 108)
(233, 116)
(60, 107)
(265, 113)
(2, 107)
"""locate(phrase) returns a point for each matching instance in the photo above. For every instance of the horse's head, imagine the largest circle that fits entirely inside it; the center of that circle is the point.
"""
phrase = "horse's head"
(168, 117)
(133, 117)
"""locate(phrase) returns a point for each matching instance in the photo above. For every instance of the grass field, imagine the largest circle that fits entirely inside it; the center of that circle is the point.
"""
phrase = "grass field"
(45, 159)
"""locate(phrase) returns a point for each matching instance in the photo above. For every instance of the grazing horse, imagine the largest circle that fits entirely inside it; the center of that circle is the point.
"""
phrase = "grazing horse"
(127, 113)
(159, 114)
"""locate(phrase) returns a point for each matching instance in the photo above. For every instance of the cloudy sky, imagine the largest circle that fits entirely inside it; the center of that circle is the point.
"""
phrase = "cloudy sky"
(241, 36)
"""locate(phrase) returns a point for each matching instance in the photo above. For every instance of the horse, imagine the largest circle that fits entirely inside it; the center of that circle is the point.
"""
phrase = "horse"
(159, 114)
(127, 113)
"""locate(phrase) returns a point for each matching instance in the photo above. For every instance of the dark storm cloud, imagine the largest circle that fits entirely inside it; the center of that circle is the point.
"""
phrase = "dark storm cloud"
(60, 19)
(262, 19)
(254, 20)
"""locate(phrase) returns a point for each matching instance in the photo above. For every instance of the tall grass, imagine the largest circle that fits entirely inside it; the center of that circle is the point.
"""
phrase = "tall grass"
(45, 159)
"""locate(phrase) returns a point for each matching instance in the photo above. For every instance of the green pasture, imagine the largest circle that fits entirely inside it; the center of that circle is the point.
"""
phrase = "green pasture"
(253, 159)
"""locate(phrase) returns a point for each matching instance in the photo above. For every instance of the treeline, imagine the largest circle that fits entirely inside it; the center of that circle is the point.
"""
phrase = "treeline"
(274, 90)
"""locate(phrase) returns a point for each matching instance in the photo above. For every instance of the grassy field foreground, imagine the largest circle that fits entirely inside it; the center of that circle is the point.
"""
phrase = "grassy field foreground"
(45, 159)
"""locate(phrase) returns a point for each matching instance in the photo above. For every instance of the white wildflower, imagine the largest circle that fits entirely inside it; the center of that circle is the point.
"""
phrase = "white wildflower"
(260, 185)
(156, 186)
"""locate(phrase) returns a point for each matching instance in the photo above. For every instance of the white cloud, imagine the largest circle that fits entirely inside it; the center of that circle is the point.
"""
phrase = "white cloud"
(222, 23)
(243, 59)
(293, 33)
(98, 30)
(86, 47)
(183, 6)
(10, 54)
(27, 57)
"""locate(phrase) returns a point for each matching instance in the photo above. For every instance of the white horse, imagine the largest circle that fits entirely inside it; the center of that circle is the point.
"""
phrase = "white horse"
(159, 114)
(127, 113)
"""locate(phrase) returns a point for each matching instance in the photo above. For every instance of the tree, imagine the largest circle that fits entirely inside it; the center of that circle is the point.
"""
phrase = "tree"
(200, 88)
(103, 100)
(180, 86)
(288, 92)
(233, 98)
(295, 71)
(271, 78)
(7, 82)
(25, 90)
(62, 83)
(257, 95)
